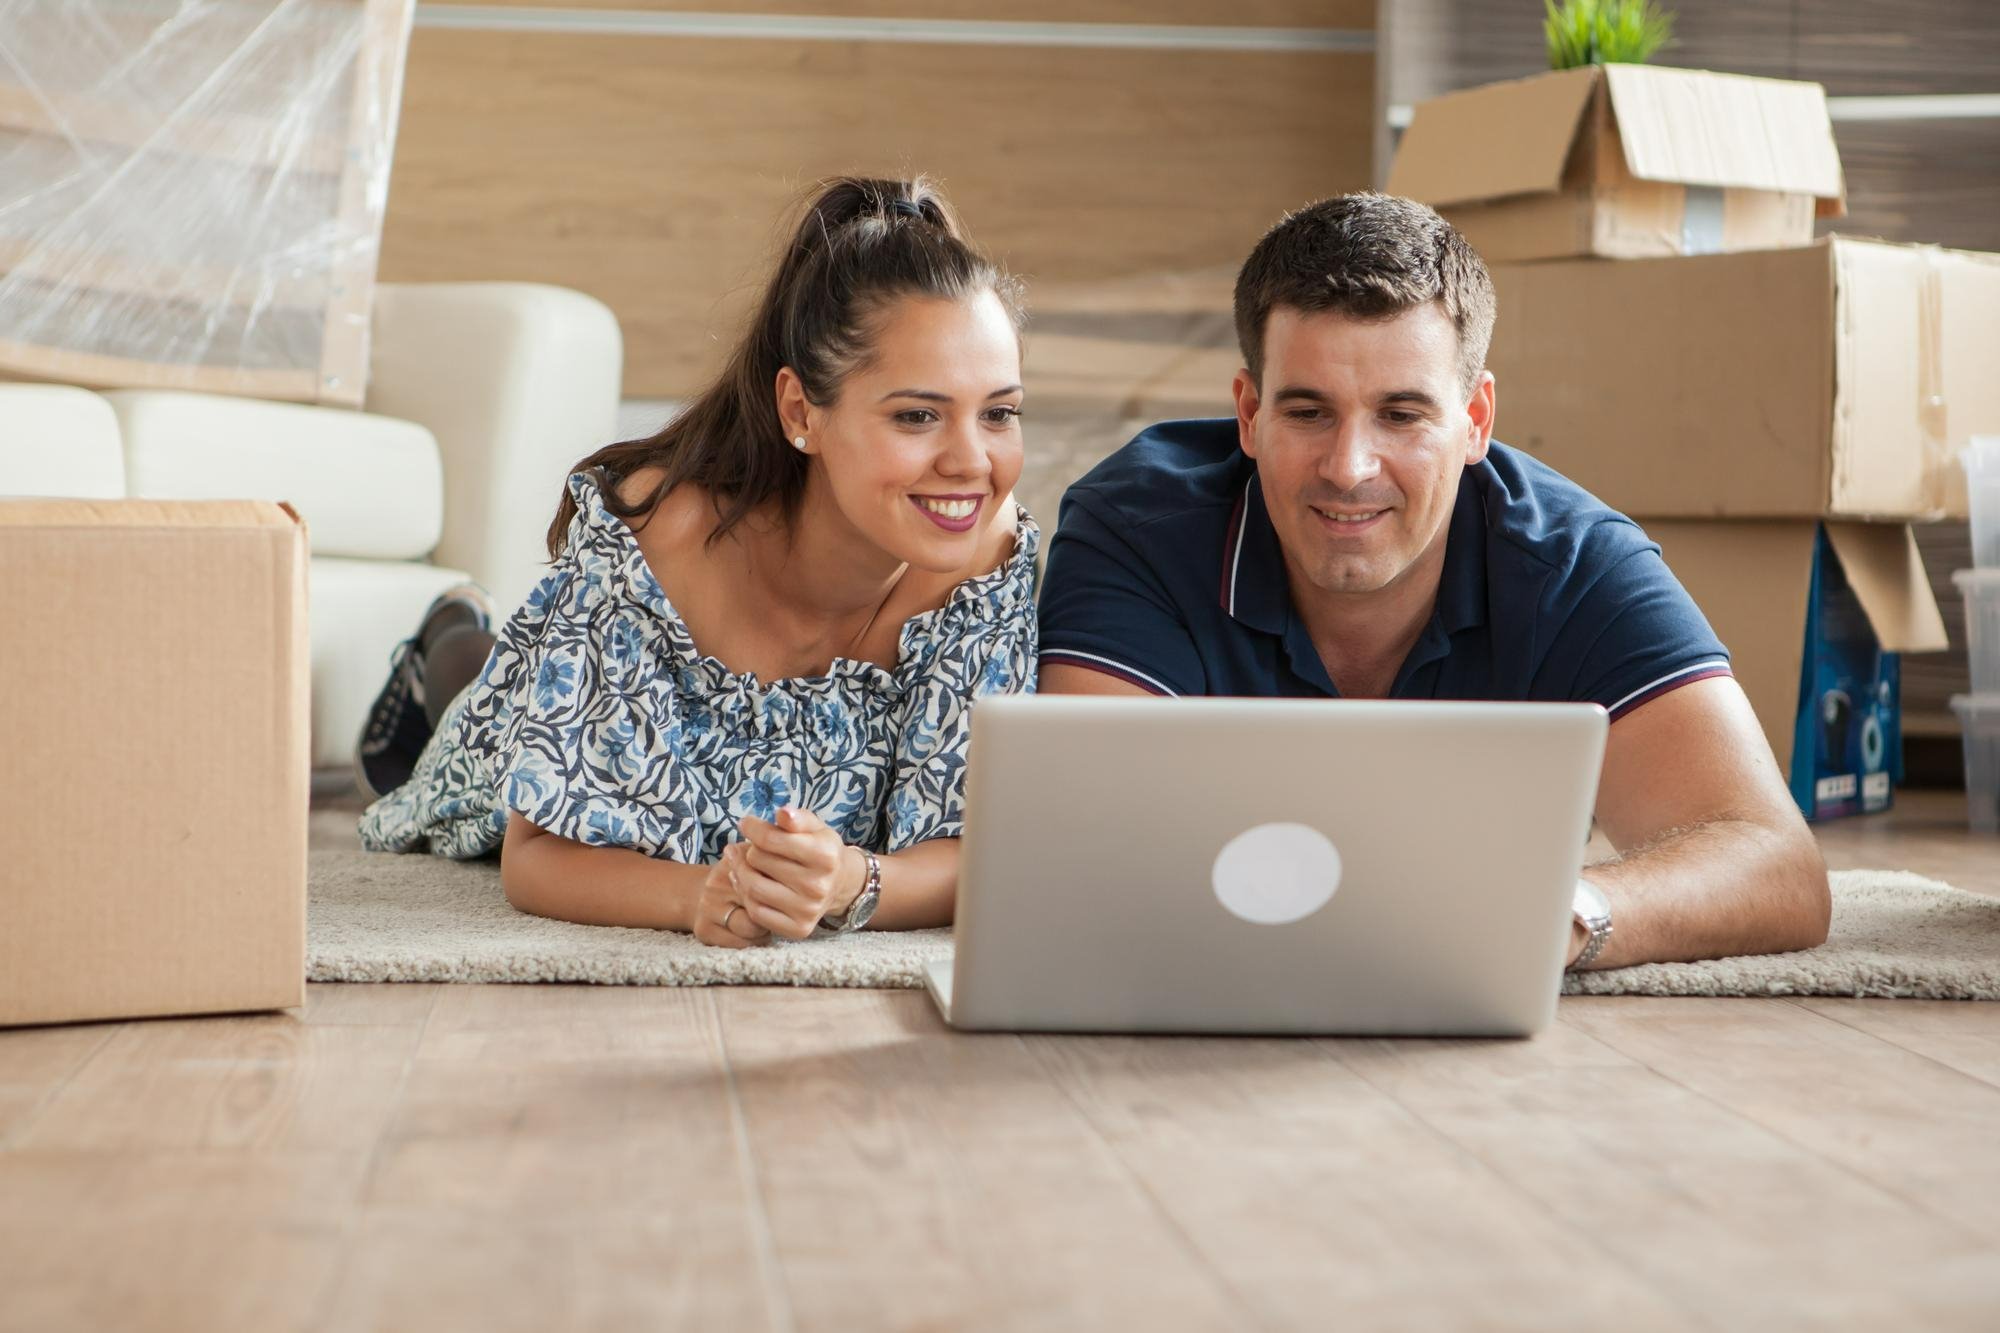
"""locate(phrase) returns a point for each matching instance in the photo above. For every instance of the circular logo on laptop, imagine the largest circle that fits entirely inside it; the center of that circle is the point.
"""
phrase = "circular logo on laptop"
(1275, 874)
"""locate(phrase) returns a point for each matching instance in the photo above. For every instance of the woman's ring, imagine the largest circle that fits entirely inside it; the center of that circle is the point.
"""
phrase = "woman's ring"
(734, 908)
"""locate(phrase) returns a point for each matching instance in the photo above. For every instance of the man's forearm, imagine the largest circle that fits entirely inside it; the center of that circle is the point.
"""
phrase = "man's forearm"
(1715, 890)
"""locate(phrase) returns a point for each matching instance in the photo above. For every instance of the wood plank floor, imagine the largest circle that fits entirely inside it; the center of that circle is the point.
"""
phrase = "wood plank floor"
(555, 1157)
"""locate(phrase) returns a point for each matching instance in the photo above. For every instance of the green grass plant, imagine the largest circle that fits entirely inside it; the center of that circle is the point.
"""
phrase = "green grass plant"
(1604, 32)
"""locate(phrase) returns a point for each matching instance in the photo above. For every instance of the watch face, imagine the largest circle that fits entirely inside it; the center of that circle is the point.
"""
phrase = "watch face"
(1591, 902)
(863, 908)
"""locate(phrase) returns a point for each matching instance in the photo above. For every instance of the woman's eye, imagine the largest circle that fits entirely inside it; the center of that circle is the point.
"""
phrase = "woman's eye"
(1000, 416)
(917, 416)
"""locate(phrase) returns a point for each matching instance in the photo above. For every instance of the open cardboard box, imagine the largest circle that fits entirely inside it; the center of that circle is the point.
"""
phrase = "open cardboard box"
(154, 767)
(1841, 379)
(1624, 161)
(1814, 616)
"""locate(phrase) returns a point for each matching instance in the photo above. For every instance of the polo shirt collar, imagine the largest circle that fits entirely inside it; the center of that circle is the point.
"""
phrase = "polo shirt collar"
(1256, 589)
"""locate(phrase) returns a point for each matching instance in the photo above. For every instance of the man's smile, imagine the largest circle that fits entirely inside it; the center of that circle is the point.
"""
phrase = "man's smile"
(1347, 522)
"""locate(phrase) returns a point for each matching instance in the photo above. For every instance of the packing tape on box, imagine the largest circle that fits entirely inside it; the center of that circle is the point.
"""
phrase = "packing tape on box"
(1702, 220)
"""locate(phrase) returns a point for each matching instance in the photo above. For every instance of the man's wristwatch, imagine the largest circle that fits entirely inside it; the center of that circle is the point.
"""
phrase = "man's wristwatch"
(863, 907)
(1593, 913)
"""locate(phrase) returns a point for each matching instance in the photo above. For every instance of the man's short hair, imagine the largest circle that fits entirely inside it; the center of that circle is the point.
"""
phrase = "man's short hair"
(1369, 256)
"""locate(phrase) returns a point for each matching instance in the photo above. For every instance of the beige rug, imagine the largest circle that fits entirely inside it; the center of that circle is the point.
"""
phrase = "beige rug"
(422, 918)
(375, 917)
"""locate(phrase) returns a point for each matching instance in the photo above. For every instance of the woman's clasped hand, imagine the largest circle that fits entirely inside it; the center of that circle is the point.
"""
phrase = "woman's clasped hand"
(783, 878)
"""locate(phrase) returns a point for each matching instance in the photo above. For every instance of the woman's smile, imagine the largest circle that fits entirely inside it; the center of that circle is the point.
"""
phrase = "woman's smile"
(953, 513)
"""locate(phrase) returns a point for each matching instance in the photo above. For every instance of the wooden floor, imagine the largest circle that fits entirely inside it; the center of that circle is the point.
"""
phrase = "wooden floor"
(553, 1157)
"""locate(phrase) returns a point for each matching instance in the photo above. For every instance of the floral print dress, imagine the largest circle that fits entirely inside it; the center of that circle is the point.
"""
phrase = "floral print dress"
(598, 719)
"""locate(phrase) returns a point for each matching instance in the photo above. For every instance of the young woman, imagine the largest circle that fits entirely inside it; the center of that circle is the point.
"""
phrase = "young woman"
(738, 704)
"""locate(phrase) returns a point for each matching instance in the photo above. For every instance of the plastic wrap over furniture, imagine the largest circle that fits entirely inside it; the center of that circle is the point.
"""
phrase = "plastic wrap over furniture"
(193, 191)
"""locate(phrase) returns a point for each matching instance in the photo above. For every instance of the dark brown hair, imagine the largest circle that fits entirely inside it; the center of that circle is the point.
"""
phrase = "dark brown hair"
(1370, 256)
(861, 244)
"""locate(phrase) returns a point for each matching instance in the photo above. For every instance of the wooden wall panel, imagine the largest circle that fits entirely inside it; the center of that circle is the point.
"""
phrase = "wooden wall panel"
(1863, 48)
(1357, 14)
(651, 172)
(1922, 180)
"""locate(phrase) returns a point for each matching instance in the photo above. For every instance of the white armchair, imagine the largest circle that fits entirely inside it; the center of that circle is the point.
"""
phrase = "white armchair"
(481, 396)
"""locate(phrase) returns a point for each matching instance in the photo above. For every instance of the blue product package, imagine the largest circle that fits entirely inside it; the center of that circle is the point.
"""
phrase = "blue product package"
(1847, 748)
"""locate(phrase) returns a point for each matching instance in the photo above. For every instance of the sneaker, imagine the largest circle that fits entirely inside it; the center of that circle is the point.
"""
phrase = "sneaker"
(397, 729)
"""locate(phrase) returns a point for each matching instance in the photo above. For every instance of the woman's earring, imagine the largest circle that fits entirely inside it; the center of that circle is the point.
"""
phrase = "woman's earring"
(799, 444)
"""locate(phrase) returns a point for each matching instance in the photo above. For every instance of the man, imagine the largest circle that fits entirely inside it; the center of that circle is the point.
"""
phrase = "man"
(1356, 532)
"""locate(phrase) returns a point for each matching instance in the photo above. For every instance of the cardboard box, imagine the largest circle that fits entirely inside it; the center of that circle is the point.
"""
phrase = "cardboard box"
(1814, 616)
(1840, 379)
(154, 770)
(1624, 161)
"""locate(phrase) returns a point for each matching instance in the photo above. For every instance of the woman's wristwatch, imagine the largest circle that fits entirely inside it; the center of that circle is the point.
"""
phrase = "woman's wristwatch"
(863, 907)
(1592, 911)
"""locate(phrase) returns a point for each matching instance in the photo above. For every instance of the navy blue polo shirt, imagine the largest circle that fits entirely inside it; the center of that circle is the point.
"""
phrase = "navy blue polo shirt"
(1165, 571)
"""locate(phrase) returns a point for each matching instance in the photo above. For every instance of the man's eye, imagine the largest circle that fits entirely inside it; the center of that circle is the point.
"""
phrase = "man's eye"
(1401, 418)
(1304, 414)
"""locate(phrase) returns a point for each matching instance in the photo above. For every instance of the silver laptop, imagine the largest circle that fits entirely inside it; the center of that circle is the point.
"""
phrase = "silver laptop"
(1268, 866)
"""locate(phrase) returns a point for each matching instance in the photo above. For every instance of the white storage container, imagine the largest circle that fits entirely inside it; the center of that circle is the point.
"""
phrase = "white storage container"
(1981, 590)
(1982, 483)
(1979, 716)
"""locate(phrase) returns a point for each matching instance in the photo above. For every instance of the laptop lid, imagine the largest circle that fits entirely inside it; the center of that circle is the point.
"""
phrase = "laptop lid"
(1304, 866)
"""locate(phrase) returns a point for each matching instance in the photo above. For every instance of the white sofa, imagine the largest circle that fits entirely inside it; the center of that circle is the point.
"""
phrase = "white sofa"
(481, 396)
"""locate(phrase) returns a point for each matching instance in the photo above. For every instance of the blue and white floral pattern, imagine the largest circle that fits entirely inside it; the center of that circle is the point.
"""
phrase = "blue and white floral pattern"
(598, 719)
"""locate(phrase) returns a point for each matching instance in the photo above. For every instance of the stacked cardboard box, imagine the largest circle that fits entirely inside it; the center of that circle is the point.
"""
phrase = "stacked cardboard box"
(1774, 409)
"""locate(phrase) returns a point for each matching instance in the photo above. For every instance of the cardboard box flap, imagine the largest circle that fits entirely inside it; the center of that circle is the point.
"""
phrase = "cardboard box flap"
(1886, 572)
(1692, 127)
(41, 513)
(1496, 140)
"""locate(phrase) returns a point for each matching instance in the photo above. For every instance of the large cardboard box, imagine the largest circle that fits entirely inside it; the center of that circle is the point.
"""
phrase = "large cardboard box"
(1840, 379)
(1624, 161)
(1815, 616)
(154, 769)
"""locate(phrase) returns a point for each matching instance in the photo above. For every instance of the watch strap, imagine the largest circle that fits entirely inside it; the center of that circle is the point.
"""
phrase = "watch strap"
(863, 907)
(1591, 910)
